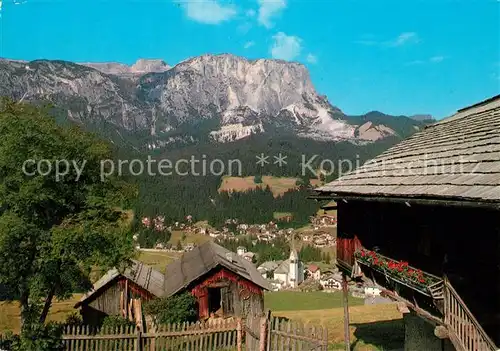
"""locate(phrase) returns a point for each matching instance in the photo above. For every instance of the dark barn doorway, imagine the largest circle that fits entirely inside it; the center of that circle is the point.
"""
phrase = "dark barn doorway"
(214, 301)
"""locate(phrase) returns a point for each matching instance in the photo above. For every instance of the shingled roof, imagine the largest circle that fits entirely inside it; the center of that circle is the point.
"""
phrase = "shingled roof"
(457, 158)
(201, 260)
(139, 273)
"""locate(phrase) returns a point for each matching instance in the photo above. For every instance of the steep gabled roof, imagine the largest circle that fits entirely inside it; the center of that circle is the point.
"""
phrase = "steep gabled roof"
(283, 268)
(269, 265)
(138, 273)
(201, 260)
(312, 268)
(457, 158)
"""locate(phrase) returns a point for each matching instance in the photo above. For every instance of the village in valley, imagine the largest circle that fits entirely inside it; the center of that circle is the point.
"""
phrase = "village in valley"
(234, 283)
(288, 273)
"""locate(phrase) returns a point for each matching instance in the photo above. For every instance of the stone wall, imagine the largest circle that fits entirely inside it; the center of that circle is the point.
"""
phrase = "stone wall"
(419, 335)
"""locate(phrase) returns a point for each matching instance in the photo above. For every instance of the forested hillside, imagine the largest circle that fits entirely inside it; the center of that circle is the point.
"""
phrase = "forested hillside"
(176, 196)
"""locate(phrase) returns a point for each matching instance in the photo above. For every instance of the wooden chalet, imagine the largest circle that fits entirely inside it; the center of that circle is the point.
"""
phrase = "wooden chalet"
(422, 220)
(121, 294)
(224, 283)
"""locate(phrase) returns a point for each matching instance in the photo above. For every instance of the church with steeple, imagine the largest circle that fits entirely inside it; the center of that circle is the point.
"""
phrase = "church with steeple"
(290, 272)
(296, 269)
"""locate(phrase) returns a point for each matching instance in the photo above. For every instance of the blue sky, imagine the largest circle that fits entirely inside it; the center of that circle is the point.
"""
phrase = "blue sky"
(398, 57)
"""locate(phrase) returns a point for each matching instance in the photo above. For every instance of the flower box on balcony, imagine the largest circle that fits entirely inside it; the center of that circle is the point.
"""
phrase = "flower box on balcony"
(398, 271)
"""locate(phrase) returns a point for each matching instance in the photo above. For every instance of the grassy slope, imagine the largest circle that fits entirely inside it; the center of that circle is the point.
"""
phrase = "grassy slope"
(294, 300)
(190, 238)
(373, 327)
(158, 260)
(9, 312)
(278, 185)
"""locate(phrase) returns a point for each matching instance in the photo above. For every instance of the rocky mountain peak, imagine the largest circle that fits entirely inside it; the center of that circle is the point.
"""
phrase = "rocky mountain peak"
(252, 71)
(141, 66)
(149, 66)
(229, 85)
(423, 118)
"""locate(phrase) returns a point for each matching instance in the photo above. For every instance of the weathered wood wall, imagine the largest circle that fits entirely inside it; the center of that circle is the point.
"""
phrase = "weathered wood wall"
(247, 298)
(461, 242)
(107, 302)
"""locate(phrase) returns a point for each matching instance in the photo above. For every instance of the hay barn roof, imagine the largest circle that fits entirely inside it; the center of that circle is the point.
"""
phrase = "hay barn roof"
(139, 273)
(457, 158)
(193, 264)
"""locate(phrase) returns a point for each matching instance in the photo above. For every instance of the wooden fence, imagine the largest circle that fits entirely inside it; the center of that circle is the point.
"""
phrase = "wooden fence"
(289, 335)
(216, 335)
(273, 334)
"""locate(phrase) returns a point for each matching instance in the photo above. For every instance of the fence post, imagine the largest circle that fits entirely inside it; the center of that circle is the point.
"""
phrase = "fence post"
(263, 334)
(138, 343)
(268, 336)
(239, 332)
(346, 312)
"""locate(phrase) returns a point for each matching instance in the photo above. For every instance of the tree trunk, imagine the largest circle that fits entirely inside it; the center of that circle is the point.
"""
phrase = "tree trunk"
(48, 303)
(24, 303)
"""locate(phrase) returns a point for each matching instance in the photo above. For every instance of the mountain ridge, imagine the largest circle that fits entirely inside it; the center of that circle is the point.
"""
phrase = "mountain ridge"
(217, 98)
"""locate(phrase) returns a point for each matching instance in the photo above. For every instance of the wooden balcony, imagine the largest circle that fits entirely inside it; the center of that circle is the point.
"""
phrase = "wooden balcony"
(402, 273)
(465, 331)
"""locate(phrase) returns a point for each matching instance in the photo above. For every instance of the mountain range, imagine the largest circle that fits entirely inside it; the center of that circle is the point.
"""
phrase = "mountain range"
(210, 98)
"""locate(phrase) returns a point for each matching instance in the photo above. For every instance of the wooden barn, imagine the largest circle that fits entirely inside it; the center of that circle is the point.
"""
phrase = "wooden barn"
(224, 283)
(422, 220)
(121, 294)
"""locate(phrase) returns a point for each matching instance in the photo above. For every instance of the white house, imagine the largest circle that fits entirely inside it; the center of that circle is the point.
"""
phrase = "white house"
(314, 272)
(372, 291)
(330, 283)
(249, 256)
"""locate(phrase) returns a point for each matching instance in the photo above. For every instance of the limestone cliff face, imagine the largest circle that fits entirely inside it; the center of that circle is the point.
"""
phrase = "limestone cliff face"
(236, 90)
(233, 132)
(142, 66)
(371, 132)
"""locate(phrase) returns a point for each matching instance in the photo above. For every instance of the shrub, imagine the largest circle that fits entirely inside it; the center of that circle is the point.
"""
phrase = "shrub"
(174, 309)
(74, 319)
(7, 340)
(116, 322)
(37, 337)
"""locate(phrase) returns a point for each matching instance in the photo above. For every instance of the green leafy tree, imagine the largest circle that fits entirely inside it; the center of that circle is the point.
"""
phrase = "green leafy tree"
(150, 236)
(174, 309)
(37, 336)
(310, 253)
(55, 228)
(257, 179)
(327, 258)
